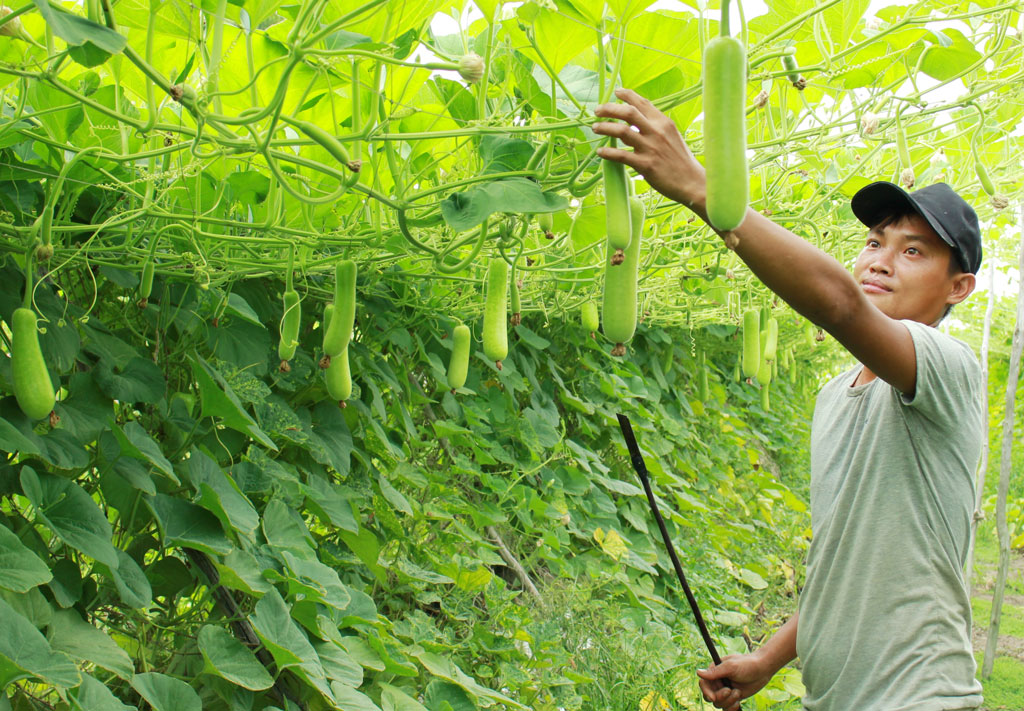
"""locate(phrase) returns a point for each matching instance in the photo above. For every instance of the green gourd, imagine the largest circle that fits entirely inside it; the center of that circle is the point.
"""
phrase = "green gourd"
(339, 328)
(702, 377)
(619, 302)
(146, 282)
(338, 377)
(764, 368)
(589, 316)
(458, 364)
(772, 340)
(765, 404)
(33, 388)
(517, 306)
(290, 321)
(983, 178)
(751, 343)
(725, 134)
(325, 324)
(616, 197)
(546, 222)
(495, 333)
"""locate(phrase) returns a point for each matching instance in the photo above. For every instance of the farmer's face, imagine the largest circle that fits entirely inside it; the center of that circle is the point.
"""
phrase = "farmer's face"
(904, 269)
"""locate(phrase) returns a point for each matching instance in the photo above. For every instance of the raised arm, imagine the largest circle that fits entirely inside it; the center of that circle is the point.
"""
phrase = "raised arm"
(815, 284)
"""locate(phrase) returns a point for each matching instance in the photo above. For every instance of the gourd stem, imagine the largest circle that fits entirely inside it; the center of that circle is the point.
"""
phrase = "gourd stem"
(724, 26)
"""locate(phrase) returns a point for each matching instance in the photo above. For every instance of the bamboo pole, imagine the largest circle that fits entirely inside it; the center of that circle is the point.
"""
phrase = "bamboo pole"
(1004, 468)
(983, 464)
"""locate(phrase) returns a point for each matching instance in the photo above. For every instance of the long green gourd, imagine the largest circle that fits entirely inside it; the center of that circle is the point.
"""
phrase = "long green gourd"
(617, 214)
(725, 133)
(339, 328)
(619, 304)
(751, 343)
(495, 334)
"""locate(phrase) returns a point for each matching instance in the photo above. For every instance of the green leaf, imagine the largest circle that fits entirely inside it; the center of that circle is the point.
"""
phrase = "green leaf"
(187, 525)
(218, 400)
(326, 500)
(165, 693)
(87, 411)
(25, 653)
(338, 664)
(352, 700)
(464, 211)
(241, 571)
(330, 438)
(12, 440)
(749, 577)
(66, 585)
(228, 658)
(70, 513)
(136, 443)
(248, 187)
(140, 380)
(446, 669)
(441, 693)
(501, 154)
(77, 30)
(70, 634)
(287, 643)
(284, 528)
(316, 581)
(131, 583)
(219, 494)
(20, 568)
(394, 699)
(951, 56)
(93, 695)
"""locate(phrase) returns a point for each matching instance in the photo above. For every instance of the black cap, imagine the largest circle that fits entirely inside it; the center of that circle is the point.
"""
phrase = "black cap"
(949, 215)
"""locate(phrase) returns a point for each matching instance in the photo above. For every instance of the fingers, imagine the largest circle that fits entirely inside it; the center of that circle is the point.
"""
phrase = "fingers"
(625, 112)
(643, 105)
(622, 131)
(620, 156)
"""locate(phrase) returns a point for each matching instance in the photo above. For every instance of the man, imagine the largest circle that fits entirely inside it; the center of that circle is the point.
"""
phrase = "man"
(884, 619)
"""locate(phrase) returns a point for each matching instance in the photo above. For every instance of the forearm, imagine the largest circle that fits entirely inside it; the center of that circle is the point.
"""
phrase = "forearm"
(810, 280)
(780, 649)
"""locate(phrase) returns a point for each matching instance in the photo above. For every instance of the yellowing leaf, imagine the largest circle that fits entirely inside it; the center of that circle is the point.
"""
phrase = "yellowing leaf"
(611, 543)
(654, 701)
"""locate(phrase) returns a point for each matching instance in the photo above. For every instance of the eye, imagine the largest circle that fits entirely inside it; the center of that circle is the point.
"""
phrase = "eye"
(913, 250)
(872, 242)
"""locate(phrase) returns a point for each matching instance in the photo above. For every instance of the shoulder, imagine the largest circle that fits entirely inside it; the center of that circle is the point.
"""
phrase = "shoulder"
(941, 351)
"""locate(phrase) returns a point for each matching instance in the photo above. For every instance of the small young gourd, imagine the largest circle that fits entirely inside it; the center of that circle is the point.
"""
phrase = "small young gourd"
(458, 365)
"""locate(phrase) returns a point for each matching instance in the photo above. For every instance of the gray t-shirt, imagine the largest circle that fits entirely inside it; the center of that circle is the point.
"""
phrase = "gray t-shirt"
(884, 615)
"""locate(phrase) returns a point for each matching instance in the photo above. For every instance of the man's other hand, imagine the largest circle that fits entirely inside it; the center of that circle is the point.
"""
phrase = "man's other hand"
(747, 674)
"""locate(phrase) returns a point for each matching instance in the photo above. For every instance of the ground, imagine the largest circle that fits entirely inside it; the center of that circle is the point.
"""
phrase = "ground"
(1004, 690)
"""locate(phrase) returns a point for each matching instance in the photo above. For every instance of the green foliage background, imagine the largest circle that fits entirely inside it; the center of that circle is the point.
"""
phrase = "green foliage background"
(196, 529)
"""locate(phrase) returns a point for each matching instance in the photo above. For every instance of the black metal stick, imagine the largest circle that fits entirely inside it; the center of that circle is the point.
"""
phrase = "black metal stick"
(641, 469)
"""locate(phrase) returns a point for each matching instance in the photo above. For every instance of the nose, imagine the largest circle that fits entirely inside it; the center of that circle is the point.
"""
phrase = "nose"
(881, 262)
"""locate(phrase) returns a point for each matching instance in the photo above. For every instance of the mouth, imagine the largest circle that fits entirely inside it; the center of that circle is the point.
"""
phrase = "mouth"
(874, 287)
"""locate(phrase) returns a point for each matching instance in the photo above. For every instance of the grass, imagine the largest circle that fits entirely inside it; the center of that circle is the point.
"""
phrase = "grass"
(1004, 689)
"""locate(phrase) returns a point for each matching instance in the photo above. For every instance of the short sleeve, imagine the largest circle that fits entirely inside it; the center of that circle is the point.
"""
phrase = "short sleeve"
(948, 379)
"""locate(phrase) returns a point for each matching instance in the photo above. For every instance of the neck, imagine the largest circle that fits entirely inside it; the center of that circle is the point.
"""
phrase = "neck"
(864, 376)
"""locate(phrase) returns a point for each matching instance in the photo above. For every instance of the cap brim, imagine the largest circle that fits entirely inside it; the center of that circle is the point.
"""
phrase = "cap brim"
(876, 201)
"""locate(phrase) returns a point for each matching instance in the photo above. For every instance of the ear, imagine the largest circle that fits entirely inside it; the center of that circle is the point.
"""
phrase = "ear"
(962, 287)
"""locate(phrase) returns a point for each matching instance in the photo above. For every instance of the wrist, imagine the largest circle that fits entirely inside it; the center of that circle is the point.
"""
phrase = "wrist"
(767, 660)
